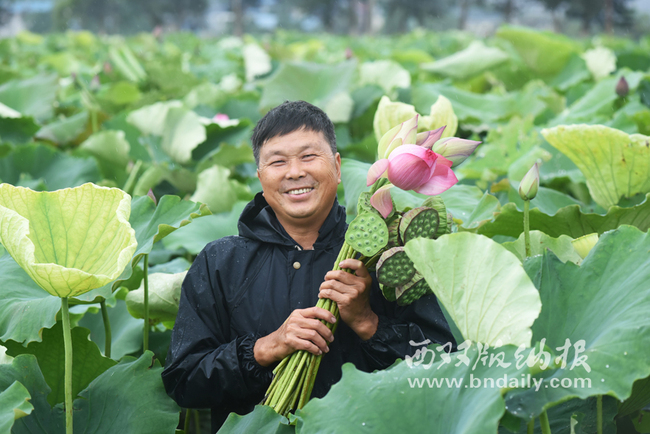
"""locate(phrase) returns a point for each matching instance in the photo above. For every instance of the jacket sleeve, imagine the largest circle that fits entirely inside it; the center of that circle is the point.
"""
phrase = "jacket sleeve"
(204, 367)
(402, 330)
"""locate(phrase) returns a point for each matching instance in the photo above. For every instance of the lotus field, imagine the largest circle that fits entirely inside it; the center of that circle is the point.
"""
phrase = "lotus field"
(120, 159)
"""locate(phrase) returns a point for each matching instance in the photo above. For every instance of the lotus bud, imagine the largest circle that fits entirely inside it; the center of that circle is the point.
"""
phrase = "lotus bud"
(455, 150)
(622, 88)
(428, 138)
(530, 184)
(584, 244)
(152, 196)
(404, 133)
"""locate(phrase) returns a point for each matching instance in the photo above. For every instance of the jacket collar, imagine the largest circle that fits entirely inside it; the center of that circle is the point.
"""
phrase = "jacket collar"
(258, 222)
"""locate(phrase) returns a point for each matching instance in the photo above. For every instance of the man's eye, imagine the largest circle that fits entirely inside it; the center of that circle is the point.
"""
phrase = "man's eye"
(309, 156)
(277, 162)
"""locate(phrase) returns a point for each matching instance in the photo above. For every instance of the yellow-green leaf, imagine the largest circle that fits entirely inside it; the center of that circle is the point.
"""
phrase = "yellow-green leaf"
(614, 163)
(69, 241)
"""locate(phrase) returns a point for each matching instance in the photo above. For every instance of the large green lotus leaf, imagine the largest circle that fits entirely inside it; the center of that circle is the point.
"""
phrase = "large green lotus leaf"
(14, 404)
(503, 146)
(126, 331)
(472, 107)
(44, 163)
(164, 296)
(65, 130)
(386, 74)
(256, 61)
(25, 369)
(196, 236)
(127, 398)
(569, 220)
(69, 241)
(615, 163)
(539, 242)
(4, 358)
(262, 420)
(353, 177)
(576, 416)
(152, 223)
(17, 130)
(573, 73)
(484, 210)
(482, 285)
(415, 396)
(219, 199)
(25, 307)
(110, 146)
(151, 119)
(548, 201)
(544, 52)
(182, 132)
(602, 304)
(469, 62)
(32, 96)
(311, 82)
(87, 360)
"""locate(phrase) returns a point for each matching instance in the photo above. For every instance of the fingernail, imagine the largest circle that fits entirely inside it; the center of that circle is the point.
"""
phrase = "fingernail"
(332, 339)
(327, 350)
(320, 352)
(333, 319)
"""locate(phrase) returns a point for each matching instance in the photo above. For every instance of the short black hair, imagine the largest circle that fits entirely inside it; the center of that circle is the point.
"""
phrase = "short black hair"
(288, 117)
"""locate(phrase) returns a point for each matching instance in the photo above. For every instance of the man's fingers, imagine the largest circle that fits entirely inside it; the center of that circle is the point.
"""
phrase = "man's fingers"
(356, 266)
(317, 312)
(314, 337)
(317, 326)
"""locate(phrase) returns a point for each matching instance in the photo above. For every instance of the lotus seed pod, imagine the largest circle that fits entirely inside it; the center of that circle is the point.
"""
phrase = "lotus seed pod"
(419, 223)
(393, 231)
(412, 291)
(363, 204)
(450, 220)
(388, 291)
(367, 234)
(444, 226)
(395, 268)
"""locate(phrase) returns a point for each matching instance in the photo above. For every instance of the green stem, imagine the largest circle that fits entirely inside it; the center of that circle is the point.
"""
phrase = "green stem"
(186, 425)
(130, 182)
(107, 329)
(531, 426)
(527, 227)
(599, 414)
(67, 344)
(145, 337)
(544, 424)
(197, 422)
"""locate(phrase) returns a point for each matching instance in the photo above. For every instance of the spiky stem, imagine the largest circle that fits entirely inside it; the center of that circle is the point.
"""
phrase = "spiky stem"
(145, 336)
(544, 423)
(527, 227)
(107, 329)
(67, 344)
(599, 414)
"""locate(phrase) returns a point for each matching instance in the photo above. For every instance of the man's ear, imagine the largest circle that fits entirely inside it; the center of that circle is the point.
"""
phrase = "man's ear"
(337, 159)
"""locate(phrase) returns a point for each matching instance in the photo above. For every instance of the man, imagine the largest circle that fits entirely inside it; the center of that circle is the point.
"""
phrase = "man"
(248, 301)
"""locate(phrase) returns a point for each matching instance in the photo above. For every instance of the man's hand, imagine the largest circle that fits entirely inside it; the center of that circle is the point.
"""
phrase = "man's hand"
(301, 331)
(352, 293)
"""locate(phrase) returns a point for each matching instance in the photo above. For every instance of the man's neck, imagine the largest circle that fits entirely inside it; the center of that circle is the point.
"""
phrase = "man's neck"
(304, 235)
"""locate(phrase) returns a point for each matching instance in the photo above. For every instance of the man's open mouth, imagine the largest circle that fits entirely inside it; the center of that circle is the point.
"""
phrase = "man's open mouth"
(300, 190)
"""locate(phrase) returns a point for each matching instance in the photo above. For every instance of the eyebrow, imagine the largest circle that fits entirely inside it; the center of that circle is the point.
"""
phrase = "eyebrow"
(281, 151)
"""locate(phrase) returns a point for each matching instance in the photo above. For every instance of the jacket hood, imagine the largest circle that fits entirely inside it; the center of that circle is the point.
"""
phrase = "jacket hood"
(258, 222)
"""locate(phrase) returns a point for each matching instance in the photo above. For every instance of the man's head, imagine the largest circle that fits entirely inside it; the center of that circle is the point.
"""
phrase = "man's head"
(288, 117)
(298, 166)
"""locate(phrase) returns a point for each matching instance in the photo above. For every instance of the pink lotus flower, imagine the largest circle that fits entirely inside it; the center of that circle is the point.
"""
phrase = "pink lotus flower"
(410, 167)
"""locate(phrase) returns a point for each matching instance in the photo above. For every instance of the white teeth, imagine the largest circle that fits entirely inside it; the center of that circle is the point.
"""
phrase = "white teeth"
(300, 191)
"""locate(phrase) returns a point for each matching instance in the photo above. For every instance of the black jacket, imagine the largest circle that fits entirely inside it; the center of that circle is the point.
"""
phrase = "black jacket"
(240, 288)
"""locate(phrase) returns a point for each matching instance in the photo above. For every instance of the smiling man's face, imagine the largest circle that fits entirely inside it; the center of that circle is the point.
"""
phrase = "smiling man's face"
(299, 177)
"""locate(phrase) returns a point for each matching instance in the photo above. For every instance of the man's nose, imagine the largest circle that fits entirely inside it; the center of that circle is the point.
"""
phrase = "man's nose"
(296, 169)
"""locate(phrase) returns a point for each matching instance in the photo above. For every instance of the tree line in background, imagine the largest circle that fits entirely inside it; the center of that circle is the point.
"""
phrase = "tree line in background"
(336, 16)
